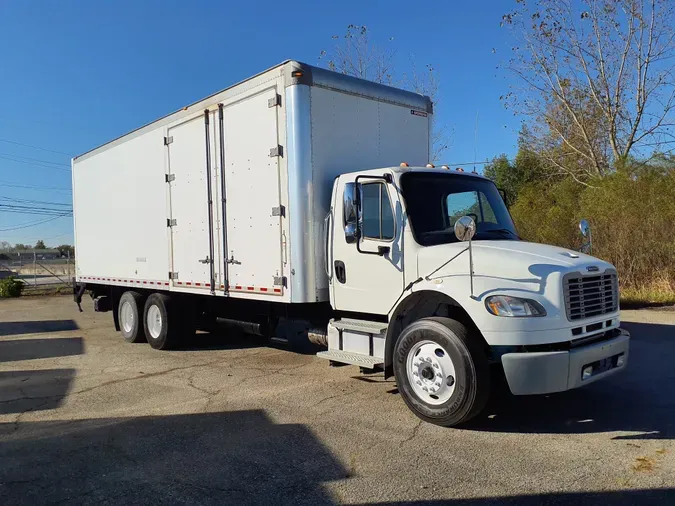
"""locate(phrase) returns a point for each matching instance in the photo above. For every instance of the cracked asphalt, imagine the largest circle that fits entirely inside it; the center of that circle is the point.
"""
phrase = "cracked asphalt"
(87, 418)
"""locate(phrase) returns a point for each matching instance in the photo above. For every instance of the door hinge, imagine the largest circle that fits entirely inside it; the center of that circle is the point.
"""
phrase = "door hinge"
(168, 140)
(169, 177)
(279, 211)
(171, 223)
(280, 281)
(274, 101)
(278, 151)
(173, 275)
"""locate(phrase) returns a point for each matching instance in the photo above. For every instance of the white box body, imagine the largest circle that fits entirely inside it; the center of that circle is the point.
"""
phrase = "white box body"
(141, 202)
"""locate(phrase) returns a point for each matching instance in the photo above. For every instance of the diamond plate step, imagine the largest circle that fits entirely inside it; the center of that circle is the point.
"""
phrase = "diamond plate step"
(365, 326)
(348, 357)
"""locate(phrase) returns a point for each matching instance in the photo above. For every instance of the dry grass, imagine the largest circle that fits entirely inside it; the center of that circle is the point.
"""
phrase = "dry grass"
(657, 292)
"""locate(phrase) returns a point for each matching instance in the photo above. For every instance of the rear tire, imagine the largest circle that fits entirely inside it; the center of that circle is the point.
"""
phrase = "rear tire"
(129, 314)
(161, 326)
(441, 371)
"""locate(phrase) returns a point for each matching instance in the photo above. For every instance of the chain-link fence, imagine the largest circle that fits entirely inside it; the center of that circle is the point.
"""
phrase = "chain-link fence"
(39, 273)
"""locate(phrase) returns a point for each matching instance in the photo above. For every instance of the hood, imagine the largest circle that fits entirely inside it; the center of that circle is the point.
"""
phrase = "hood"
(516, 261)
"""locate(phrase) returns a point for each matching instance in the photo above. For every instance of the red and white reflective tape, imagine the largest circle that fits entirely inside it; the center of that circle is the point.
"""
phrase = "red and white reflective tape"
(182, 284)
(126, 281)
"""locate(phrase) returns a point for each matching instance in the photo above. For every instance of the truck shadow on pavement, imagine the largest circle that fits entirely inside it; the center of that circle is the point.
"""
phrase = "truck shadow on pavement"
(640, 399)
(35, 390)
(36, 327)
(239, 457)
(28, 349)
(224, 337)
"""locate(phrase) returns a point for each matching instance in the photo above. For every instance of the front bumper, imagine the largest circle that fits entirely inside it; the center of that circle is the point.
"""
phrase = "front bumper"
(556, 371)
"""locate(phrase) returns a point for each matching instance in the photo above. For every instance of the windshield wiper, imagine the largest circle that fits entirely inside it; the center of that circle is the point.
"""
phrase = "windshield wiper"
(502, 231)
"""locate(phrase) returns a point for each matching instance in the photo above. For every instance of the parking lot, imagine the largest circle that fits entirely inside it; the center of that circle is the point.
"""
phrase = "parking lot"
(88, 418)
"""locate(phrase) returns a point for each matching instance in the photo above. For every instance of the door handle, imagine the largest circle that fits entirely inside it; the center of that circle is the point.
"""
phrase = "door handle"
(231, 260)
(340, 271)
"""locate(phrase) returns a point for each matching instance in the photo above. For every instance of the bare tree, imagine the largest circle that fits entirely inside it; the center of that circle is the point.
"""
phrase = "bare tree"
(355, 54)
(598, 78)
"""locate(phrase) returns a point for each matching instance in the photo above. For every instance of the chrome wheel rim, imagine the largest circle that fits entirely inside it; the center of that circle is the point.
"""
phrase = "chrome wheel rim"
(154, 321)
(127, 317)
(431, 372)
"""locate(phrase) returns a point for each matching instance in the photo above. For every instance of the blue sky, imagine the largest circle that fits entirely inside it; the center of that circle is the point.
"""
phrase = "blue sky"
(74, 74)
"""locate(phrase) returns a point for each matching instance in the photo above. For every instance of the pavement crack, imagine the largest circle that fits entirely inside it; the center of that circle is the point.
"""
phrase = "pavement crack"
(142, 376)
(413, 434)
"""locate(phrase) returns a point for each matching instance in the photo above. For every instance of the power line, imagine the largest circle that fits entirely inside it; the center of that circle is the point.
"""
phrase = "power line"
(35, 187)
(38, 160)
(36, 147)
(34, 224)
(9, 208)
(36, 164)
(28, 201)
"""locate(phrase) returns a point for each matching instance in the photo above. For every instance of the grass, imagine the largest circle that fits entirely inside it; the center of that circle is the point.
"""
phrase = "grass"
(655, 295)
(47, 290)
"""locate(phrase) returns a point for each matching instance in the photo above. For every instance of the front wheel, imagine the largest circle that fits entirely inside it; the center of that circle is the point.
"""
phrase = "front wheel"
(441, 371)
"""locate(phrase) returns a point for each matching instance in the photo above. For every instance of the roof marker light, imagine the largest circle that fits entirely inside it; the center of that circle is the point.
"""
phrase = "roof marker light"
(404, 164)
(445, 167)
(459, 169)
(430, 166)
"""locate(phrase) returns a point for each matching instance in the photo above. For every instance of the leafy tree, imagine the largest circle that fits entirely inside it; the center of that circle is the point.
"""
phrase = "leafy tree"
(598, 80)
(513, 176)
(40, 244)
(21, 246)
(65, 249)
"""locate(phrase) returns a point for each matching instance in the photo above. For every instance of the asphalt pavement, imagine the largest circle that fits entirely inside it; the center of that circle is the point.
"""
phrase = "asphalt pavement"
(87, 418)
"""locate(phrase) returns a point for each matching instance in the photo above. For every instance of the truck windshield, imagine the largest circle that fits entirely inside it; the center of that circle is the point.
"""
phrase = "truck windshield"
(435, 201)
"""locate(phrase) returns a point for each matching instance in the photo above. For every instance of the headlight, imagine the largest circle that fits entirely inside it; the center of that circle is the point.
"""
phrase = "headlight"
(503, 305)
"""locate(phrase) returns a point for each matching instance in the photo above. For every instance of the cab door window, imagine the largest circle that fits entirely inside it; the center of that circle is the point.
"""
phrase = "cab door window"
(377, 213)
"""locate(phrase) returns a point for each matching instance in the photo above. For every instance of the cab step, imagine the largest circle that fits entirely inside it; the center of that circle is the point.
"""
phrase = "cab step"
(349, 357)
(364, 326)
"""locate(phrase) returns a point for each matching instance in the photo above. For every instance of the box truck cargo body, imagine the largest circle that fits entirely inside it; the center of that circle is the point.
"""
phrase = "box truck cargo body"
(228, 195)
(302, 198)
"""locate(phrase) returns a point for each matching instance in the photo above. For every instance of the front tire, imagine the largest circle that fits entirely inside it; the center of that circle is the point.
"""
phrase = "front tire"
(441, 371)
(161, 331)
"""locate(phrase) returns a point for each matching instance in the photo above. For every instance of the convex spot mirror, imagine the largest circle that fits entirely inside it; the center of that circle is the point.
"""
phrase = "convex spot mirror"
(584, 227)
(465, 228)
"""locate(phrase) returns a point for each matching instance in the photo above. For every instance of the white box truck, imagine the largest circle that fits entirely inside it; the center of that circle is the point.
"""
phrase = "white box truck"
(305, 195)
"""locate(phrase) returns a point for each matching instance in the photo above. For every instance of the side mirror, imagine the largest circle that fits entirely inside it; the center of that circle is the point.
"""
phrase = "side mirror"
(465, 228)
(351, 213)
(504, 195)
(585, 230)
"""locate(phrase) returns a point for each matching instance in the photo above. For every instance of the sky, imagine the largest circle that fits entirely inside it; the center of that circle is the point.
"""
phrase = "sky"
(76, 74)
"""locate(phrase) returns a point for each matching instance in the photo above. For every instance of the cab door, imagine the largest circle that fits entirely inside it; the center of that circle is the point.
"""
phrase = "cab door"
(366, 275)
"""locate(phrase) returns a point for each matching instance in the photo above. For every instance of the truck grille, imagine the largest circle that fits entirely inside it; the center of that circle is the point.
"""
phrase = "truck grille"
(588, 296)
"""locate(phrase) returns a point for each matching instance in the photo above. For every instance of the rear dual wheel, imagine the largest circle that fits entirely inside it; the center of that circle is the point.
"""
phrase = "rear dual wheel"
(162, 321)
(130, 313)
(165, 326)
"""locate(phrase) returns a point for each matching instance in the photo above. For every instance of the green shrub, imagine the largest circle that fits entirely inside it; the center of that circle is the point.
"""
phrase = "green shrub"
(10, 287)
(632, 218)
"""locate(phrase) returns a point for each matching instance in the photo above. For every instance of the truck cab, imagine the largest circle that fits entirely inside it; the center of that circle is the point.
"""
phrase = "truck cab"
(430, 281)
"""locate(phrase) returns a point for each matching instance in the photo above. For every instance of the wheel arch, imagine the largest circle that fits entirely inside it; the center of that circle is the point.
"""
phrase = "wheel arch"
(423, 304)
